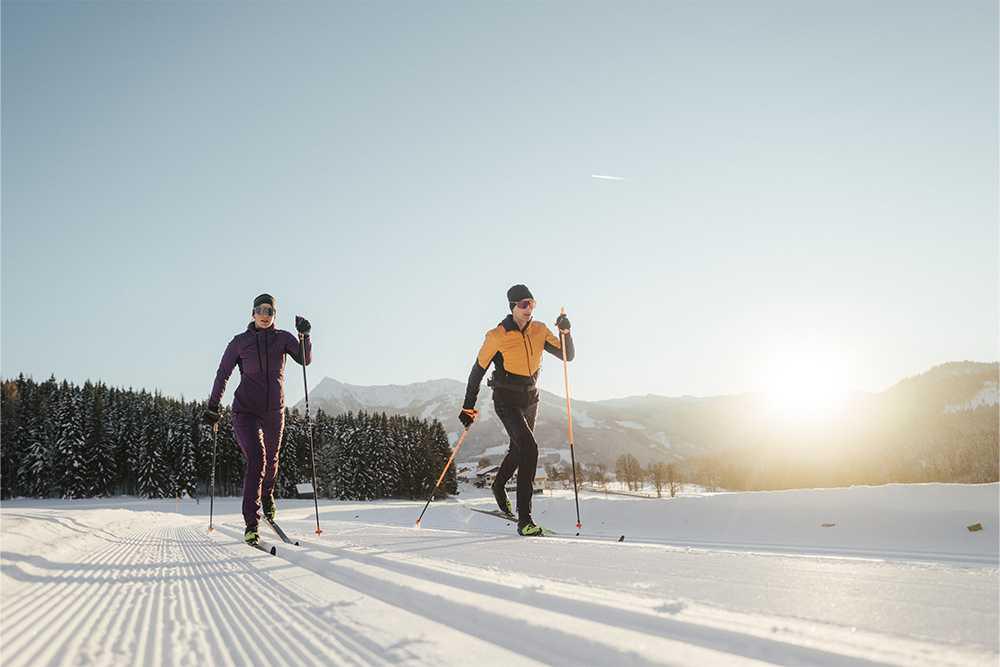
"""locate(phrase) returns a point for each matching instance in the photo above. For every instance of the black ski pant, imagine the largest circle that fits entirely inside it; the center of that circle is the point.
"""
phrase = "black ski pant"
(517, 411)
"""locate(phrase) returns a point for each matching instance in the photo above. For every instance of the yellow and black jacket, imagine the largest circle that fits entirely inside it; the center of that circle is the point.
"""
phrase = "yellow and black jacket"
(516, 356)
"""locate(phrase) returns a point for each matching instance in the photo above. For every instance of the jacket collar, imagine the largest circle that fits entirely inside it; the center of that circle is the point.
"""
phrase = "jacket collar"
(509, 324)
(252, 328)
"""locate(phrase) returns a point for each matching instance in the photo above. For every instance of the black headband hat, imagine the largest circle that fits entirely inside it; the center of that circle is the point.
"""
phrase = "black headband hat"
(263, 298)
(516, 293)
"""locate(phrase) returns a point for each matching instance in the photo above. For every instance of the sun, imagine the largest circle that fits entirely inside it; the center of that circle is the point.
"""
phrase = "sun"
(806, 380)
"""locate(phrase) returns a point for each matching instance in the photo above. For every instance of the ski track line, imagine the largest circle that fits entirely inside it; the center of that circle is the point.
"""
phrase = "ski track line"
(353, 646)
(231, 600)
(136, 576)
(360, 650)
(707, 576)
(30, 597)
(815, 651)
(32, 617)
(762, 549)
(451, 599)
(254, 609)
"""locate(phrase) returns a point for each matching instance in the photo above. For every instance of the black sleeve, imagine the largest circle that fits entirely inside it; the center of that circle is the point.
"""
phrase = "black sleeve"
(472, 389)
(570, 350)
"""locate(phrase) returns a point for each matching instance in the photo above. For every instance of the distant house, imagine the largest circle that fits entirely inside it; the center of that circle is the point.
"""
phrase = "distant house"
(485, 477)
(465, 474)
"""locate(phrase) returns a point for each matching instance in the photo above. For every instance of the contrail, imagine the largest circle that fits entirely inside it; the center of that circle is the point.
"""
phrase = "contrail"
(607, 178)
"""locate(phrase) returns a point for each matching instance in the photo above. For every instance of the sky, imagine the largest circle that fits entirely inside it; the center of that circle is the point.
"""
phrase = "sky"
(806, 185)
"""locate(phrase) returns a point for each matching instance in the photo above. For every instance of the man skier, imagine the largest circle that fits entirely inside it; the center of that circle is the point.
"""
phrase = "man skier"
(514, 348)
(259, 402)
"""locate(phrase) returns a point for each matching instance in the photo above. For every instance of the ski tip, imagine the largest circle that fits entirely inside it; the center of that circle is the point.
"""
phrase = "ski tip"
(296, 544)
(578, 533)
(621, 539)
(274, 551)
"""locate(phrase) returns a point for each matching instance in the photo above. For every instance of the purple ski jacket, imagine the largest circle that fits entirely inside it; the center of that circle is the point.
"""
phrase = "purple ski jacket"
(260, 354)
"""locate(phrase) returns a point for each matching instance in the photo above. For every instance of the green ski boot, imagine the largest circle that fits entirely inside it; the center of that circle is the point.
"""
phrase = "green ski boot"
(251, 537)
(530, 529)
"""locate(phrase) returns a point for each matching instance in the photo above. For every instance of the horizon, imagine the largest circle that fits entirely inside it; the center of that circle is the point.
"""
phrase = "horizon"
(291, 403)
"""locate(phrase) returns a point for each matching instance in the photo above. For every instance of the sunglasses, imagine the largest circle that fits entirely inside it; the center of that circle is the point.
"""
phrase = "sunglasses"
(524, 304)
(264, 310)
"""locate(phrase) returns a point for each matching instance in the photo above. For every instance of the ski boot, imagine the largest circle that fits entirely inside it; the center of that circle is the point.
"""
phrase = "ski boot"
(503, 502)
(269, 509)
(529, 528)
(250, 536)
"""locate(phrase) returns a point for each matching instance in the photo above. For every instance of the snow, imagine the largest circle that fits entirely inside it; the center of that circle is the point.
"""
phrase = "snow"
(720, 579)
(630, 424)
(662, 438)
(986, 397)
(385, 396)
(582, 418)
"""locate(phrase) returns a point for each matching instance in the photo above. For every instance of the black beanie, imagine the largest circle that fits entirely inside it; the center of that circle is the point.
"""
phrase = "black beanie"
(263, 298)
(516, 293)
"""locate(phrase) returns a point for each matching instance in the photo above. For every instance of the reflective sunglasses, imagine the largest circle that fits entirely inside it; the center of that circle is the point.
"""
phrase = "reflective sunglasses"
(524, 304)
(264, 310)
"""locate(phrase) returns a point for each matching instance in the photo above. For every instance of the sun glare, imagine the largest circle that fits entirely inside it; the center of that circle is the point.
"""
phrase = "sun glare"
(806, 380)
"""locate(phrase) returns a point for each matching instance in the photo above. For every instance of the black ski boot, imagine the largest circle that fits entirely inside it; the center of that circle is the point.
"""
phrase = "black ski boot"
(503, 502)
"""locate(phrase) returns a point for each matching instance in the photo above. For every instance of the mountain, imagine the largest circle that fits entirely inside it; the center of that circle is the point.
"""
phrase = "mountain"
(912, 420)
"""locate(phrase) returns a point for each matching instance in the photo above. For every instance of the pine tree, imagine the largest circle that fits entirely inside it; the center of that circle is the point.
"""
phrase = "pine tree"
(10, 415)
(70, 456)
(151, 478)
(183, 477)
(99, 447)
(293, 440)
(327, 435)
(440, 451)
(354, 478)
(34, 469)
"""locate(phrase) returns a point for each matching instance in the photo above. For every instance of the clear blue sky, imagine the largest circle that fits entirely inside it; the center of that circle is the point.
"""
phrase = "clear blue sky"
(793, 169)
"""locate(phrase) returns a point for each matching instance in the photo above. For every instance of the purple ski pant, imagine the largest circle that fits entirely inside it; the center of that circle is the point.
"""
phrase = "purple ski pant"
(259, 437)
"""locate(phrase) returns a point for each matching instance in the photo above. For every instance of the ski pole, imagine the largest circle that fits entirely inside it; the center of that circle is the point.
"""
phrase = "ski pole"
(211, 502)
(312, 453)
(446, 466)
(569, 419)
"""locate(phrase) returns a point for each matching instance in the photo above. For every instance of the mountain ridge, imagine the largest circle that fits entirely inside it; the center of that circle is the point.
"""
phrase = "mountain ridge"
(655, 427)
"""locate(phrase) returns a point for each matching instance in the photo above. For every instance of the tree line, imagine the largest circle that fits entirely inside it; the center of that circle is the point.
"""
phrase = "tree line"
(58, 439)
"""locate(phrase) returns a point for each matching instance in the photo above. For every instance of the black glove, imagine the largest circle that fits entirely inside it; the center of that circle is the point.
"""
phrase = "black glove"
(562, 323)
(211, 417)
(302, 325)
(467, 416)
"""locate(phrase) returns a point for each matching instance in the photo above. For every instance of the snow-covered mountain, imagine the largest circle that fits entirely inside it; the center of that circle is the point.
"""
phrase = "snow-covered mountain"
(960, 395)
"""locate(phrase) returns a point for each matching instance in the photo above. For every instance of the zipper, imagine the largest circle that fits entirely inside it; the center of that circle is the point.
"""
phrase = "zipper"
(527, 345)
